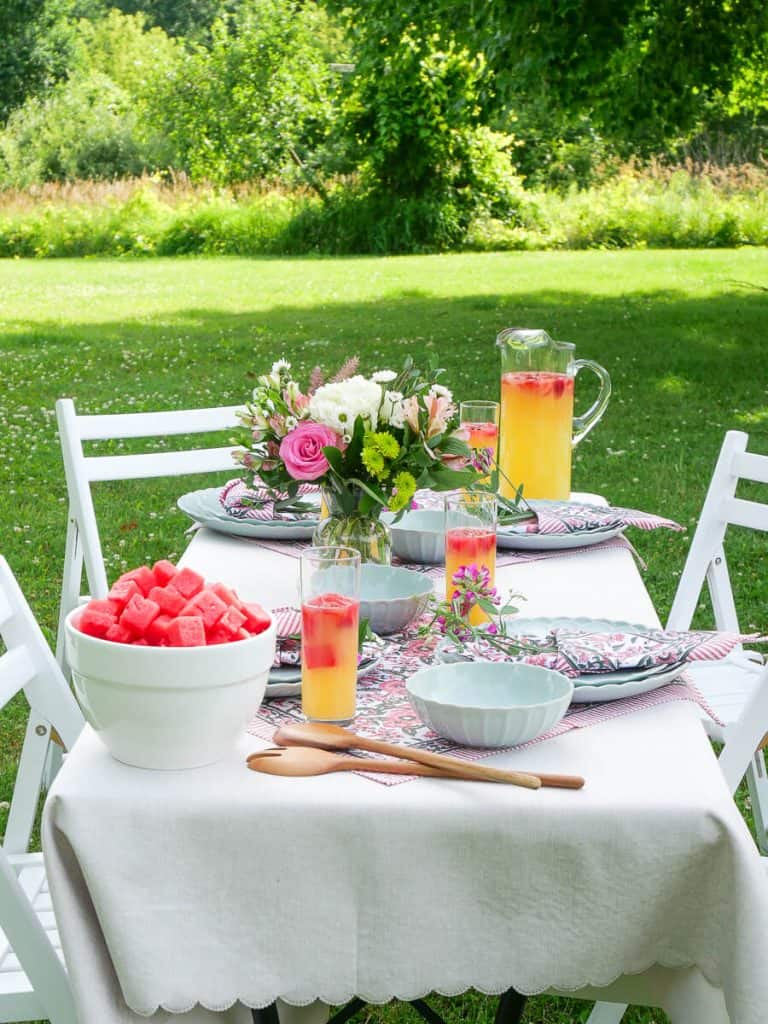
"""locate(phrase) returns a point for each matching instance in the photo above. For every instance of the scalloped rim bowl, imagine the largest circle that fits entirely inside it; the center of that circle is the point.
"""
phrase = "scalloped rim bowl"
(391, 596)
(419, 536)
(168, 707)
(489, 704)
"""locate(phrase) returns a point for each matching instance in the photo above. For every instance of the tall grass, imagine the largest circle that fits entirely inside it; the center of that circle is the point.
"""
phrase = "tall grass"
(685, 207)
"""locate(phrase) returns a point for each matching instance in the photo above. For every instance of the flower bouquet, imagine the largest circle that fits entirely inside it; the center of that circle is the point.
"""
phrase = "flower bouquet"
(368, 442)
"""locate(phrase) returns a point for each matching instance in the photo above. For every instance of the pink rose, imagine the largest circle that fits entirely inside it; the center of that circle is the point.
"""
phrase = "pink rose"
(302, 450)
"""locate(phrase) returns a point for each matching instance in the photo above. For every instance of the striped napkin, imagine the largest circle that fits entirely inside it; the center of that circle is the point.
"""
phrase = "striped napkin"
(580, 653)
(562, 517)
(263, 504)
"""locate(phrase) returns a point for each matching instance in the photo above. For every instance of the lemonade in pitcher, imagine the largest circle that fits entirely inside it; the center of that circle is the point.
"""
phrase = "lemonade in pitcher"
(537, 422)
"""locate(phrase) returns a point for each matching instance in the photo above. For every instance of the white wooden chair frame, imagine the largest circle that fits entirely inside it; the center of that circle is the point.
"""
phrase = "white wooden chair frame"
(33, 979)
(83, 545)
(742, 739)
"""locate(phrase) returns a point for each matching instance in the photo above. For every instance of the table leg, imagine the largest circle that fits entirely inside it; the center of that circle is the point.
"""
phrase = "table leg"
(266, 1015)
(511, 1007)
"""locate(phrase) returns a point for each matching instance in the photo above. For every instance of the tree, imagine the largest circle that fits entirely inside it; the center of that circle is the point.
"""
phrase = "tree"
(35, 51)
(640, 70)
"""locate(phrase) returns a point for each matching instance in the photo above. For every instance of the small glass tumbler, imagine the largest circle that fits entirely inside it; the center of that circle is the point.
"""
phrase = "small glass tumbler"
(470, 541)
(330, 613)
(481, 421)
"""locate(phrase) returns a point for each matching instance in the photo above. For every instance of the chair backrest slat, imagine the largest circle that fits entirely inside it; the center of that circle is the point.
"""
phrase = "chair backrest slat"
(748, 466)
(154, 464)
(16, 670)
(156, 424)
(751, 514)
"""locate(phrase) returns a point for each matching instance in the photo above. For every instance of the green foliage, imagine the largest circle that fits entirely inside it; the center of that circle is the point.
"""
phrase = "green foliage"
(35, 48)
(669, 210)
(261, 91)
(92, 124)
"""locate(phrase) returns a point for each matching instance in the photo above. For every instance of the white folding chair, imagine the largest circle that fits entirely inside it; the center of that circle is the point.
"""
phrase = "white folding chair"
(33, 979)
(83, 545)
(736, 688)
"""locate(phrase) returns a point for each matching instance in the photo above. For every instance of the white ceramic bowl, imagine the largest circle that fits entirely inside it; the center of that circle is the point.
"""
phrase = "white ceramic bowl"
(168, 707)
(419, 536)
(489, 704)
(391, 597)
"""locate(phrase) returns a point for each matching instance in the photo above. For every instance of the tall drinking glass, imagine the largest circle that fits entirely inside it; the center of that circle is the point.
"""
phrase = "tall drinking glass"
(481, 421)
(470, 540)
(330, 613)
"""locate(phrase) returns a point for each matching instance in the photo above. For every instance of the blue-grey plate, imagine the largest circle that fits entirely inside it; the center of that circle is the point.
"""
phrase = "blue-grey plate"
(205, 508)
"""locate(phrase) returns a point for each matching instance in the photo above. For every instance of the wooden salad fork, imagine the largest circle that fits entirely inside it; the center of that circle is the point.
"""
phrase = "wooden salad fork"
(336, 738)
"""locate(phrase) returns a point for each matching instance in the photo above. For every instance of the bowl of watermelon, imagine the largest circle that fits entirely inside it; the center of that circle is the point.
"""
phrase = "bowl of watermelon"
(169, 669)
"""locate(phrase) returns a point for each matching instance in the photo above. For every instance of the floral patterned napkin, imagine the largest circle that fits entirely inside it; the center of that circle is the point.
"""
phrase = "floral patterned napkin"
(575, 516)
(258, 503)
(579, 653)
(288, 650)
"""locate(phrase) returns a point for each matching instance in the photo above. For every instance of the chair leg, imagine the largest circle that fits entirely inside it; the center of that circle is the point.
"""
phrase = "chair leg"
(511, 1007)
(757, 784)
(607, 1013)
(266, 1015)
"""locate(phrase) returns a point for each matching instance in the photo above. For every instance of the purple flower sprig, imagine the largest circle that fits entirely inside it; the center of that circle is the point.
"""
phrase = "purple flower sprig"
(472, 588)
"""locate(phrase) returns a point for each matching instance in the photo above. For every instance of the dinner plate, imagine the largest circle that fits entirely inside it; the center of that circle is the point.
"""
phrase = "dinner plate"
(515, 536)
(285, 680)
(205, 508)
(590, 688)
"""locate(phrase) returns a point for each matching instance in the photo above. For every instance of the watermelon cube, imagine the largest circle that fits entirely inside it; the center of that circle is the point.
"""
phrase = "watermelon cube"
(123, 591)
(157, 631)
(207, 605)
(227, 595)
(168, 600)
(95, 623)
(163, 571)
(230, 621)
(256, 619)
(143, 577)
(118, 634)
(188, 583)
(218, 636)
(138, 614)
(186, 631)
(319, 655)
(106, 605)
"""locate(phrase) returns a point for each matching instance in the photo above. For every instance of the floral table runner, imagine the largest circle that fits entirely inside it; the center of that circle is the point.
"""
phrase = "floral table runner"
(384, 711)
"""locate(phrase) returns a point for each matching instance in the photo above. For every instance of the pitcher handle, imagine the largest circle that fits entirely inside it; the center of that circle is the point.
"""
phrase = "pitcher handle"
(583, 424)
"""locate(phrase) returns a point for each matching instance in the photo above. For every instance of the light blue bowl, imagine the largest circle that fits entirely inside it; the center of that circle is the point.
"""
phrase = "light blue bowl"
(419, 536)
(391, 597)
(489, 704)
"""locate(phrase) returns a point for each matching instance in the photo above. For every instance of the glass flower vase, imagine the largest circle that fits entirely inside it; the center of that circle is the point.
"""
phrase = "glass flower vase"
(346, 526)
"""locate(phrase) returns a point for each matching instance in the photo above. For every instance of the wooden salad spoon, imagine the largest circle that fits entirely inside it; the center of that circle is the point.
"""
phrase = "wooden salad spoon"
(334, 737)
(303, 761)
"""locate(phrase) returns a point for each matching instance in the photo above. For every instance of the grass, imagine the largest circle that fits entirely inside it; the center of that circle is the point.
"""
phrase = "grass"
(682, 334)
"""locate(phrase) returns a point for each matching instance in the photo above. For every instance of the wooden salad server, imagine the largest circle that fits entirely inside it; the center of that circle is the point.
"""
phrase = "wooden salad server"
(334, 737)
(303, 761)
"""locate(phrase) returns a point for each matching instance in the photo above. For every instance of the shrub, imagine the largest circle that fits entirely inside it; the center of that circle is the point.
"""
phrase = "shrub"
(260, 92)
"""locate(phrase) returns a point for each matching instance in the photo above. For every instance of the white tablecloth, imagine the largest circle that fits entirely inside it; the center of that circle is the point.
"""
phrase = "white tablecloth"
(219, 884)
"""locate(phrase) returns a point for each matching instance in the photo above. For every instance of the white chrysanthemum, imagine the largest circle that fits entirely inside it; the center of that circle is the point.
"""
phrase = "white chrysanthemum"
(384, 376)
(280, 364)
(392, 411)
(337, 405)
(439, 391)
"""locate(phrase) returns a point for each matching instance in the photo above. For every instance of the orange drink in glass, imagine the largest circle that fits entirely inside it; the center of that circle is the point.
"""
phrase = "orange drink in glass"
(481, 421)
(470, 540)
(330, 614)
(535, 451)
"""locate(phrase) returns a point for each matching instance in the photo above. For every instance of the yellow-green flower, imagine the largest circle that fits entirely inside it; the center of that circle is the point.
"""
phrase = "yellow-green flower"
(405, 488)
(378, 449)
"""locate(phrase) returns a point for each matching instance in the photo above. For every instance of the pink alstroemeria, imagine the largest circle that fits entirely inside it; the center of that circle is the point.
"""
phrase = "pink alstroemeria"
(439, 411)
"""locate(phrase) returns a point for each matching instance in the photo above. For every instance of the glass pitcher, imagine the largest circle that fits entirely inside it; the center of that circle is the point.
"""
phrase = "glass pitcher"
(537, 423)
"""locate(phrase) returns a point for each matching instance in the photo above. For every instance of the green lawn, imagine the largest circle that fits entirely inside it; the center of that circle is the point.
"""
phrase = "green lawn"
(682, 333)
